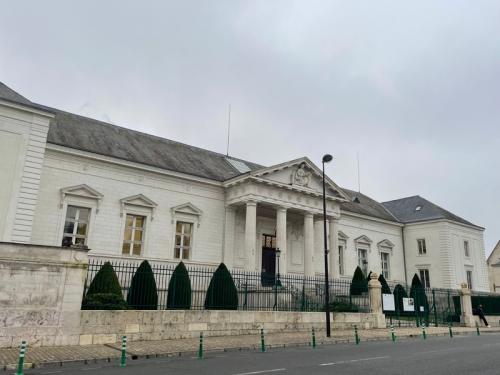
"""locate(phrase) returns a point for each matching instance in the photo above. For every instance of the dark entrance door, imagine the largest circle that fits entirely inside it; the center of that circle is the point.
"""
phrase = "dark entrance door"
(268, 274)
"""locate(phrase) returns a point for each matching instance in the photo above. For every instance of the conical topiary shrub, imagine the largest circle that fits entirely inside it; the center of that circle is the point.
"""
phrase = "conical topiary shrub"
(417, 292)
(399, 294)
(142, 294)
(385, 286)
(359, 284)
(179, 289)
(104, 292)
(221, 293)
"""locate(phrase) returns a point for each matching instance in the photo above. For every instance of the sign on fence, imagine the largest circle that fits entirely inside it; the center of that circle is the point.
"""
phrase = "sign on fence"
(388, 302)
(408, 304)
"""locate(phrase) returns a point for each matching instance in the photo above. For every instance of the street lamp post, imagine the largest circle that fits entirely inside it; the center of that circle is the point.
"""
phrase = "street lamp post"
(278, 253)
(326, 159)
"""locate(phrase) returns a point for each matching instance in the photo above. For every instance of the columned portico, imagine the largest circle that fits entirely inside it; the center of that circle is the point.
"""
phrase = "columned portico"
(251, 234)
(334, 248)
(308, 244)
(281, 237)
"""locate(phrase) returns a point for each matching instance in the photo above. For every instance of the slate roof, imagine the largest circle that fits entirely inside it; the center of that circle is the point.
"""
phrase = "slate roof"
(86, 134)
(405, 211)
(366, 206)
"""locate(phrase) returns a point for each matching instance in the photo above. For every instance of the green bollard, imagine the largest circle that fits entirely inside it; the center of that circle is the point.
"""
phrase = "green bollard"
(200, 349)
(262, 343)
(124, 352)
(313, 339)
(356, 336)
(477, 329)
(451, 332)
(423, 331)
(393, 335)
(22, 352)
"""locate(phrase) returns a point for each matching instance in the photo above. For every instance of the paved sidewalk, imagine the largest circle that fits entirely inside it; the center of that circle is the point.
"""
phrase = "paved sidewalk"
(37, 356)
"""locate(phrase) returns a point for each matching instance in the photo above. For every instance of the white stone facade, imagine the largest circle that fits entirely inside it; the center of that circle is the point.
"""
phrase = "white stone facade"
(39, 180)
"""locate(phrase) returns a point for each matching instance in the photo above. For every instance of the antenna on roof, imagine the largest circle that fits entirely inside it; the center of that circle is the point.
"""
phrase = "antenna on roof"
(228, 129)
(359, 178)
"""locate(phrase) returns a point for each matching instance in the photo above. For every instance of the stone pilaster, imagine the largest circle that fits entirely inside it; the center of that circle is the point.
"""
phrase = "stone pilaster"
(228, 251)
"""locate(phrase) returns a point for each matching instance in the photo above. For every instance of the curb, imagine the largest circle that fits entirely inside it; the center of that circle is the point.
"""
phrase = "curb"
(193, 353)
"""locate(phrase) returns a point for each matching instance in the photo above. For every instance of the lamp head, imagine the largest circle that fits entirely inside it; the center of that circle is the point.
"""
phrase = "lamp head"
(327, 158)
(278, 252)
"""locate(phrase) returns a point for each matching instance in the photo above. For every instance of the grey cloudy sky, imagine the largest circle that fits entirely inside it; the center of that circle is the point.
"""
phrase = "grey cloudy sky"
(413, 86)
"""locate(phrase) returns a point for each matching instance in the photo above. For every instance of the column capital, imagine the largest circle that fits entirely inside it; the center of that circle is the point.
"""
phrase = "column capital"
(251, 203)
(281, 209)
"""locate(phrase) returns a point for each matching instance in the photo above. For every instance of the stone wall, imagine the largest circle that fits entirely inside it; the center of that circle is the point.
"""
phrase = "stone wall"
(102, 327)
(41, 290)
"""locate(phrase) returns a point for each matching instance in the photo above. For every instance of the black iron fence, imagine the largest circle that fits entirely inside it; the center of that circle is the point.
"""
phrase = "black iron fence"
(256, 291)
(417, 306)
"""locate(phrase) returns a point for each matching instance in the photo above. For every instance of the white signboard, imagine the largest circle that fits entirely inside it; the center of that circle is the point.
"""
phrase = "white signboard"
(408, 304)
(388, 302)
(422, 308)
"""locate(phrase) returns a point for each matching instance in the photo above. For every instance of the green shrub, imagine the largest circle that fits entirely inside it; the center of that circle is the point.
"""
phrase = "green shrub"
(417, 292)
(179, 289)
(399, 294)
(359, 284)
(385, 286)
(104, 301)
(142, 294)
(221, 293)
(104, 292)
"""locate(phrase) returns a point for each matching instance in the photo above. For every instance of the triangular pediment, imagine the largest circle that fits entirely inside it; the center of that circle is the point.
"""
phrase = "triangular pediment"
(363, 239)
(300, 174)
(385, 243)
(187, 208)
(139, 200)
(342, 236)
(82, 190)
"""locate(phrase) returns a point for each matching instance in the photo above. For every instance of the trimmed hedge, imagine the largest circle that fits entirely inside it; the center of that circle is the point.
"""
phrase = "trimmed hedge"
(385, 287)
(222, 293)
(339, 306)
(399, 294)
(105, 292)
(359, 283)
(417, 292)
(142, 294)
(179, 289)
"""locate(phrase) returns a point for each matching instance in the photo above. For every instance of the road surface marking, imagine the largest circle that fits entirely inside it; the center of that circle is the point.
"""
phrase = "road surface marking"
(52, 372)
(353, 360)
(441, 350)
(90, 368)
(261, 372)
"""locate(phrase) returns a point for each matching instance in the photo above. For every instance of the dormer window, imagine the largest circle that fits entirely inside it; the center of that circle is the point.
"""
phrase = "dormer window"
(356, 200)
(418, 208)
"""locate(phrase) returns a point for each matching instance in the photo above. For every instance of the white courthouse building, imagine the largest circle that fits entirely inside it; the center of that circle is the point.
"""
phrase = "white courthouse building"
(66, 179)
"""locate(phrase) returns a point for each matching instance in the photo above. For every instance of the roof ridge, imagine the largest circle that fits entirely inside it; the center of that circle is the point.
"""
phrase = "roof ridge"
(400, 199)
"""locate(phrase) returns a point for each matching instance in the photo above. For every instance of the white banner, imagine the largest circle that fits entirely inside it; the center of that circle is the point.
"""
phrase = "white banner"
(408, 304)
(388, 302)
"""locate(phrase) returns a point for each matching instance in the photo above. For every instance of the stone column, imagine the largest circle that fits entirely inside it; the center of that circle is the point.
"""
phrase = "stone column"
(228, 254)
(466, 317)
(318, 247)
(308, 244)
(281, 238)
(334, 248)
(251, 234)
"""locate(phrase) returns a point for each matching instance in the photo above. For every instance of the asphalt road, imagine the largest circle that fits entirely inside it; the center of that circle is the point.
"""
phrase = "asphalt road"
(460, 355)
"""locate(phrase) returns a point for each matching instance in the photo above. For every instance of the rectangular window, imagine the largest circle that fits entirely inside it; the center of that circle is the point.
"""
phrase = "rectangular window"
(424, 278)
(76, 226)
(384, 257)
(466, 249)
(341, 260)
(363, 260)
(133, 238)
(469, 279)
(422, 248)
(183, 240)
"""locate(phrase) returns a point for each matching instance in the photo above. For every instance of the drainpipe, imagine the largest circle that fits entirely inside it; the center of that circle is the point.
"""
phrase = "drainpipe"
(404, 252)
